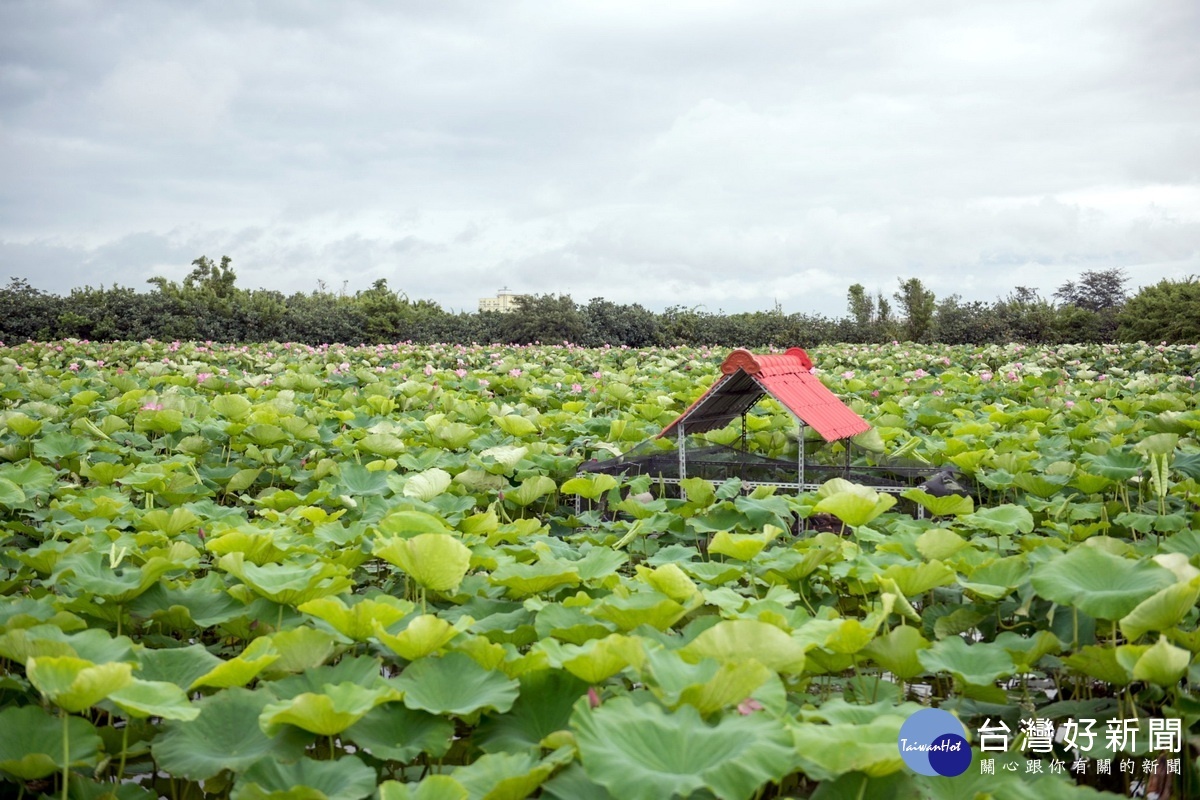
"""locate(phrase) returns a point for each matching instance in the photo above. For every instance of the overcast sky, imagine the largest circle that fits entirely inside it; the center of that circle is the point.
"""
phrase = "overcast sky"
(725, 154)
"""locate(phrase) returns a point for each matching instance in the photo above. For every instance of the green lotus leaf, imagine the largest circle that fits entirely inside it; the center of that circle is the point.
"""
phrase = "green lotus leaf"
(1098, 583)
(242, 479)
(225, 735)
(333, 710)
(407, 523)
(22, 424)
(357, 620)
(590, 486)
(1026, 651)
(239, 671)
(392, 732)
(897, 652)
(531, 489)
(10, 494)
(93, 572)
(143, 698)
(1163, 664)
(640, 608)
(515, 425)
(641, 752)
(291, 583)
(231, 406)
(265, 434)
(916, 580)
(998, 578)
(60, 444)
(598, 659)
(1100, 663)
(509, 776)
(855, 506)
(348, 778)
(300, 649)
(503, 459)
(76, 684)
(546, 574)
(979, 664)
(1161, 611)
(826, 751)
(359, 481)
(382, 444)
(543, 707)
(425, 486)
(178, 665)
(431, 787)
(742, 546)
(730, 641)
(951, 505)
(707, 685)
(670, 580)
(455, 684)
(31, 742)
(700, 492)
(436, 561)
(423, 636)
(1115, 465)
(1002, 520)
(454, 435)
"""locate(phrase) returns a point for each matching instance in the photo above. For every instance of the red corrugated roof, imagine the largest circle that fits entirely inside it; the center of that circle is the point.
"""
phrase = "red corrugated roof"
(788, 378)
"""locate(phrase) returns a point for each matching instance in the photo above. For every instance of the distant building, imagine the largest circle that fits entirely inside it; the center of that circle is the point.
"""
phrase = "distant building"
(504, 301)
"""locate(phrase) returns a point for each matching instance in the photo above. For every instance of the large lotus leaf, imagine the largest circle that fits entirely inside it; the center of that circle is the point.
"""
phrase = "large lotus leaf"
(329, 712)
(392, 732)
(431, 787)
(1115, 465)
(914, 580)
(226, 735)
(1026, 651)
(590, 486)
(300, 649)
(76, 684)
(598, 659)
(348, 778)
(357, 620)
(455, 684)
(94, 572)
(1159, 444)
(897, 651)
(515, 425)
(10, 494)
(996, 579)
(546, 574)
(231, 406)
(950, 505)
(242, 669)
(641, 752)
(425, 486)
(1002, 520)
(979, 664)
(670, 580)
(733, 640)
(31, 742)
(264, 434)
(542, 708)
(531, 489)
(290, 583)
(359, 481)
(1163, 664)
(143, 698)
(1098, 583)
(424, 635)
(640, 608)
(1161, 611)
(360, 670)
(826, 751)
(742, 546)
(503, 459)
(436, 561)
(454, 435)
(60, 445)
(387, 445)
(509, 776)
(707, 685)
(856, 506)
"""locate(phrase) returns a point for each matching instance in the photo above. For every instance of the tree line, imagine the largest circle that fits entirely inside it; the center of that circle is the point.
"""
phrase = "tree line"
(209, 305)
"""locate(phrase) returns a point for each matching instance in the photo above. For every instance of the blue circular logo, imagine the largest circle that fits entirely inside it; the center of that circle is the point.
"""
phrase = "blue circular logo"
(934, 742)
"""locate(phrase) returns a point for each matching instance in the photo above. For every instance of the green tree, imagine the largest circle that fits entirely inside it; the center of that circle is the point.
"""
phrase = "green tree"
(918, 305)
(1168, 311)
(544, 318)
(862, 312)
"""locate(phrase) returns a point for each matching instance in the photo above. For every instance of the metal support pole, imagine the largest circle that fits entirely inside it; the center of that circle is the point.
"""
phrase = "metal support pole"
(742, 457)
(800, 438)
(846, 444)
(682, 453)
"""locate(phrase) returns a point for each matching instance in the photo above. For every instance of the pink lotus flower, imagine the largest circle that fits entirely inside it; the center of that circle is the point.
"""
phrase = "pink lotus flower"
(1069, 404)
(514, 373)
(73, 367)
(749, 706)
(201, 377)
(919, 373)
(484, 382)
(428, 370)
(152, 407)
(597, 375)
(460, 372)
(985, 376)
(576, 388)
(848, 374)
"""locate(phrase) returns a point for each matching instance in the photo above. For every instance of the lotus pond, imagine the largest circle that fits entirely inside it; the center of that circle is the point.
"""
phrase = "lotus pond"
(283, 571)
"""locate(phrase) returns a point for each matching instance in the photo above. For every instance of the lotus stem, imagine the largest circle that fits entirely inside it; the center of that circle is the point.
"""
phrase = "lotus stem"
(66, 731)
